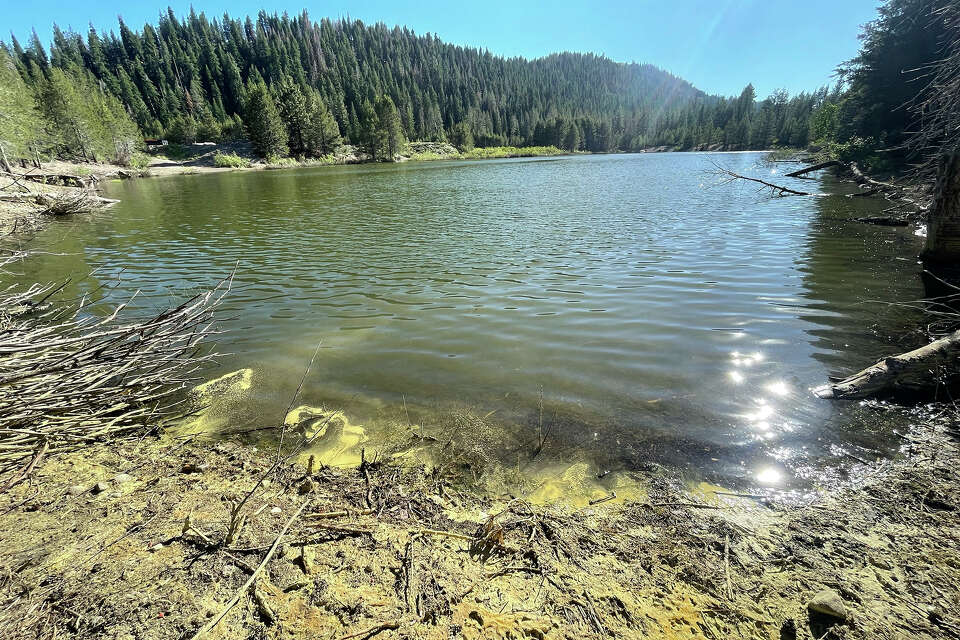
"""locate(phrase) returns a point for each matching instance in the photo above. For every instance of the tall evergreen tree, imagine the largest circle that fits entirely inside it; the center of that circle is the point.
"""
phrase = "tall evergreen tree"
(389, 129)
(262, 122)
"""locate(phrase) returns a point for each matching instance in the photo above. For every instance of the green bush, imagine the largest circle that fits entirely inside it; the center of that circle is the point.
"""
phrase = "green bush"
(512, 152)
(139, 160)
(229, 161)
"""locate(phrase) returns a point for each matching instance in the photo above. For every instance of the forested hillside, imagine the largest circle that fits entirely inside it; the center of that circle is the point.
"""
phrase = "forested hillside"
(216, 79)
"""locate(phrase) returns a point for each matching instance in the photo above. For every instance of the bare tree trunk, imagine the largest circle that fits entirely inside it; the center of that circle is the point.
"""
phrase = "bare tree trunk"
(943, 218)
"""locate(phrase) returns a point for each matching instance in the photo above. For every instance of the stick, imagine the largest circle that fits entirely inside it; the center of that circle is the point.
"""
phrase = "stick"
(246, 585)
(340, 514)
(812, 168)
(448, 534)
(342, 529)
(25, 473)
(374, 630)
(775, 187)
(726, 565)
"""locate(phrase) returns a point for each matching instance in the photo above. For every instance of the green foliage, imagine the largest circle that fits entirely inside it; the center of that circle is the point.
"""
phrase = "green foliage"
(461, 136)
(182, 130)
(20, 125)
(263, 124)
(322, 131)
(389, 131)
(429, 156)
(82, 120)
(512, 152)
(230, 160)
(139, 160)
(292, 108)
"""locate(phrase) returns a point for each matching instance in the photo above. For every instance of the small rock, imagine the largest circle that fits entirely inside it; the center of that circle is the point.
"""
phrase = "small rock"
(100, 487)
(829, 603)
(76, 490)
(122, 478)
(156, 547)
(276, 510)
(192, 467)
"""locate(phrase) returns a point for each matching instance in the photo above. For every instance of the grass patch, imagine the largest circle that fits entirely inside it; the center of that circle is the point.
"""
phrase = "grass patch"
(229, 161)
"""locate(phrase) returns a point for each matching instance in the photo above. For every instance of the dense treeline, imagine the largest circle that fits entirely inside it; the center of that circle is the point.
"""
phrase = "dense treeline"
(296, 86)
(896, 92)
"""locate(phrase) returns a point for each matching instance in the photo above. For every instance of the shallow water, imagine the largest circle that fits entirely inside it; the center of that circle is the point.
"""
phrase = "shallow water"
(664, 317)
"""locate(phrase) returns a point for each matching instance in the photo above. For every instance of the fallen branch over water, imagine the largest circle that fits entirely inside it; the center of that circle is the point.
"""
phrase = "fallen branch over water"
(68, 377)
(911, 371)
(812, 168)
(779, 190)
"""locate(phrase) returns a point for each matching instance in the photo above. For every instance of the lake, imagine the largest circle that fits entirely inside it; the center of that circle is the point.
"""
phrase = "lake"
(634, 307)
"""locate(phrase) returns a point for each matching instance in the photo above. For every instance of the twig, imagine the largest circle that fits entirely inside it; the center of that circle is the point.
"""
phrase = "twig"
(776, 188)
(726, 565)
(246, 585)
(374, 630)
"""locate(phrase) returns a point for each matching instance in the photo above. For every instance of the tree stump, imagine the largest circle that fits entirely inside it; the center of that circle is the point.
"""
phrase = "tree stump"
(943, 218)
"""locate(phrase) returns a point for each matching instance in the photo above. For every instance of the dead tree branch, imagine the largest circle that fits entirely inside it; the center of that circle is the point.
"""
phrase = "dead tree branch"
(68, 377)
(775, 188)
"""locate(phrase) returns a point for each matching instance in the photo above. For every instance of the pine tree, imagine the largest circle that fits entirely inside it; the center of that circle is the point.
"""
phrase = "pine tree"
(19, 120)
(461, 137)
(262, 122)
(292, 107)
(389, 129)
(368, 131)
(323, 134)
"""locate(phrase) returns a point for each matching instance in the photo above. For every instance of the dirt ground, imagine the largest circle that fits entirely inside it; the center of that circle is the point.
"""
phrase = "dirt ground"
(133, 541)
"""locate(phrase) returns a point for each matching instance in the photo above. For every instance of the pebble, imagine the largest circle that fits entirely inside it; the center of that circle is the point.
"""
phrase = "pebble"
(829, 603)
(76, 490)
(122, 478)
(276, 510)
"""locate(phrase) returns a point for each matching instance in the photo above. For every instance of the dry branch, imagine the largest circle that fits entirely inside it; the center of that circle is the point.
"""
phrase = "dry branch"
(812, 168)
(68, 377)
(776, 188)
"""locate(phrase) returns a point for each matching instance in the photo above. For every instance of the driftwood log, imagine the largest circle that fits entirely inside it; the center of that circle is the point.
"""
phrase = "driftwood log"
(61, 179)
(913, 371)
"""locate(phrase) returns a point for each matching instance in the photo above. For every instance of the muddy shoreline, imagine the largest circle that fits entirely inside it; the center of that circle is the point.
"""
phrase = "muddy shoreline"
(129, 541)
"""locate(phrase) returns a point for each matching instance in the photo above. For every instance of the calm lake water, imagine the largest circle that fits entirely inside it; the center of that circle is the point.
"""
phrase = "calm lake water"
(665, 317)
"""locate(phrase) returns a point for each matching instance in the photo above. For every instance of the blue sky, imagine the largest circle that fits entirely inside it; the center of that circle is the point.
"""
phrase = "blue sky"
(718, 45)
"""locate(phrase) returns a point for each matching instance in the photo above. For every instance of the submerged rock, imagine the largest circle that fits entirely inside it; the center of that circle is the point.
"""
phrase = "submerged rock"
(829, 603)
